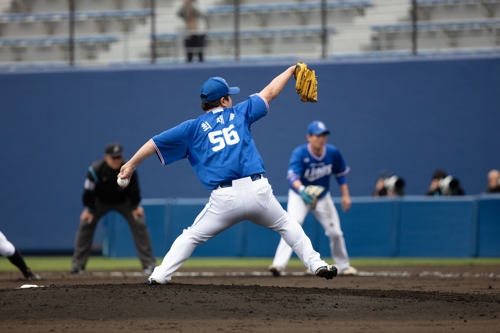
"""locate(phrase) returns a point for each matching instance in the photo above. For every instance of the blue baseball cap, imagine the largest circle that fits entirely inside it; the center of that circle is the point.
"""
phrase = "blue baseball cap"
(215, 88)
(317, 128)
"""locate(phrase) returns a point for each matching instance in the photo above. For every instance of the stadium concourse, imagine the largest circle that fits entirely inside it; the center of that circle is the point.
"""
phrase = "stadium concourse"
(381, 299)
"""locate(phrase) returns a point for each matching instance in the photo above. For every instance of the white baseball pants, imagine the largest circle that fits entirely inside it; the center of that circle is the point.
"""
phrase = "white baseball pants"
(328, 216)
(6, 247)
(245, 200)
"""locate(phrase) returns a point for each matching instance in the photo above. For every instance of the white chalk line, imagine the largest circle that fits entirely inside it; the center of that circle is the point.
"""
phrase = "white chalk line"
(402, 274)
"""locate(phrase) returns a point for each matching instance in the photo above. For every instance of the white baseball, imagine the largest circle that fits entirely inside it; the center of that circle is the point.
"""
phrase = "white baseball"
(122, 182)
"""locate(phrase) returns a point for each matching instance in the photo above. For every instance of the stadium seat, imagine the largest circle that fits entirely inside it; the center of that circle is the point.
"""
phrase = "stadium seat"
(431, 26)
(33, 17)
(402, 54)
(287, 7)
(438, 35)
(263, 42)
(89, 44)
(286, 14)
(436, 10)
(101, 18)
(49, 41)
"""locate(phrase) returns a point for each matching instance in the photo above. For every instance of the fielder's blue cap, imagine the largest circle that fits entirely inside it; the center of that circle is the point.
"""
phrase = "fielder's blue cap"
(317, 128)
(215, 88)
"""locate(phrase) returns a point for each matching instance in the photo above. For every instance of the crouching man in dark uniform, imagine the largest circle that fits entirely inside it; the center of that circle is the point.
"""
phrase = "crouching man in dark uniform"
(102, 194)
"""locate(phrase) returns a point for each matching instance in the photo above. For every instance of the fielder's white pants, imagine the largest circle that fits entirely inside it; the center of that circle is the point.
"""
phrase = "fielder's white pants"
(245, 200)
(6, 247)
(328, 216)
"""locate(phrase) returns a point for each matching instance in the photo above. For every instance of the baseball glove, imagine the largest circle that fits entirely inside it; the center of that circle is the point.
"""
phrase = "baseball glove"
(310, 195)
(306, 84)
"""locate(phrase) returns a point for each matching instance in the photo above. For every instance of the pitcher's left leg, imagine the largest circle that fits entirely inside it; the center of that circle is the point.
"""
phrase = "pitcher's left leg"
(221, 212)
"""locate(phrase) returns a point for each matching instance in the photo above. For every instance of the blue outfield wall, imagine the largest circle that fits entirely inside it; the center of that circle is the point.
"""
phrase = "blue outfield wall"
(407, 116)
(373, 227)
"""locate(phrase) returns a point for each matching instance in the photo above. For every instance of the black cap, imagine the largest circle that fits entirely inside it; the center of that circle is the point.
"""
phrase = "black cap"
(384, 174)
(439, 174)
(114, 149)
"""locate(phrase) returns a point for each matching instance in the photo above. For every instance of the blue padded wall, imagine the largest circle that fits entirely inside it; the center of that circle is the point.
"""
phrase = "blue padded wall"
(373, 227)
(437, 227)
(370, 228)
(488, 226)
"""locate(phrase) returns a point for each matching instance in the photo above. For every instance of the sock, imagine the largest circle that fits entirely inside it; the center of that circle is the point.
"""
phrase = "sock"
(18, 260)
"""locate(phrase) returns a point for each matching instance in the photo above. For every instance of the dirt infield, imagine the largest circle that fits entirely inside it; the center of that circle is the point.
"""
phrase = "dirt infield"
(399, 299)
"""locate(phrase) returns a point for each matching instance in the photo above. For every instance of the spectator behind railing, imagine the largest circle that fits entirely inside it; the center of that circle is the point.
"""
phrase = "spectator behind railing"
(196, 25)
(493, 181)
(444, 184)
(388, 185)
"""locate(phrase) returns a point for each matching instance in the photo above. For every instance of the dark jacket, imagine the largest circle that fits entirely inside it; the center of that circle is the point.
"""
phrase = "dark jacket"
(493, 190)
(101, 184)
(455, 191)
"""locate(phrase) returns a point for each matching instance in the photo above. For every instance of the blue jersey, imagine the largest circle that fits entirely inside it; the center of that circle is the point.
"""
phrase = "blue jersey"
(218, 144)
(312, 169)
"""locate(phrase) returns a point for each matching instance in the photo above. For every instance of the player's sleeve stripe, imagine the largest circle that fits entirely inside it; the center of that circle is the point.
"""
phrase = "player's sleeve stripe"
(158, 152)
(343, 173)
(267, 104)
(94, 174)
(293, 176)
(88, 185)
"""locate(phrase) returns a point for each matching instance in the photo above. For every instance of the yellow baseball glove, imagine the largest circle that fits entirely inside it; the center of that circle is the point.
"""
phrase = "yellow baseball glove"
(306, 84)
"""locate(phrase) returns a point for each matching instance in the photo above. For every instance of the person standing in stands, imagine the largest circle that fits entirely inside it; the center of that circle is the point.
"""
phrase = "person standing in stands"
(102, 194)
(194, 36)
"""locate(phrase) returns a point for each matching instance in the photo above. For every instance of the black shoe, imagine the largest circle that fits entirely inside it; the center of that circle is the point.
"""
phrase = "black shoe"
(327, 272)
(275, 270)
(77, 270)
(30, 276)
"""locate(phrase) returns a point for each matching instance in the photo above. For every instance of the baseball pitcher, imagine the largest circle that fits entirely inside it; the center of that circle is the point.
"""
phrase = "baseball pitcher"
(311, 166)
(222, 152)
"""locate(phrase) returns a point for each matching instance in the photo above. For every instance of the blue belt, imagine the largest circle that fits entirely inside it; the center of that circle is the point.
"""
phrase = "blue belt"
(229, 183)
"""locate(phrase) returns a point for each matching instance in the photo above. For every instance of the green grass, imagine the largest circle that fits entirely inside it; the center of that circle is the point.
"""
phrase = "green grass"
(101, 263)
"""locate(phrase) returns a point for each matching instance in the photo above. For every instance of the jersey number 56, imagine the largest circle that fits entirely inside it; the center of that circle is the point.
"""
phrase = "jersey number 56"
(221, 138)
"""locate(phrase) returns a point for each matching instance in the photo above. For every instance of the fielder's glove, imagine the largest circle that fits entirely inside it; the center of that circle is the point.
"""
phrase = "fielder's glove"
(310, 195)
(306, 84)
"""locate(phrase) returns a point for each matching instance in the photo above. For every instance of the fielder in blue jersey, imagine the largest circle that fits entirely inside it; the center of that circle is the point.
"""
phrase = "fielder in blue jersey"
(222, 152)
(313, 164)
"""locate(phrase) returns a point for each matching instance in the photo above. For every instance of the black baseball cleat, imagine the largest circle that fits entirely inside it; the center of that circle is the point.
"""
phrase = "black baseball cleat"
(30, 276)
(275, 270)
(327, 272)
